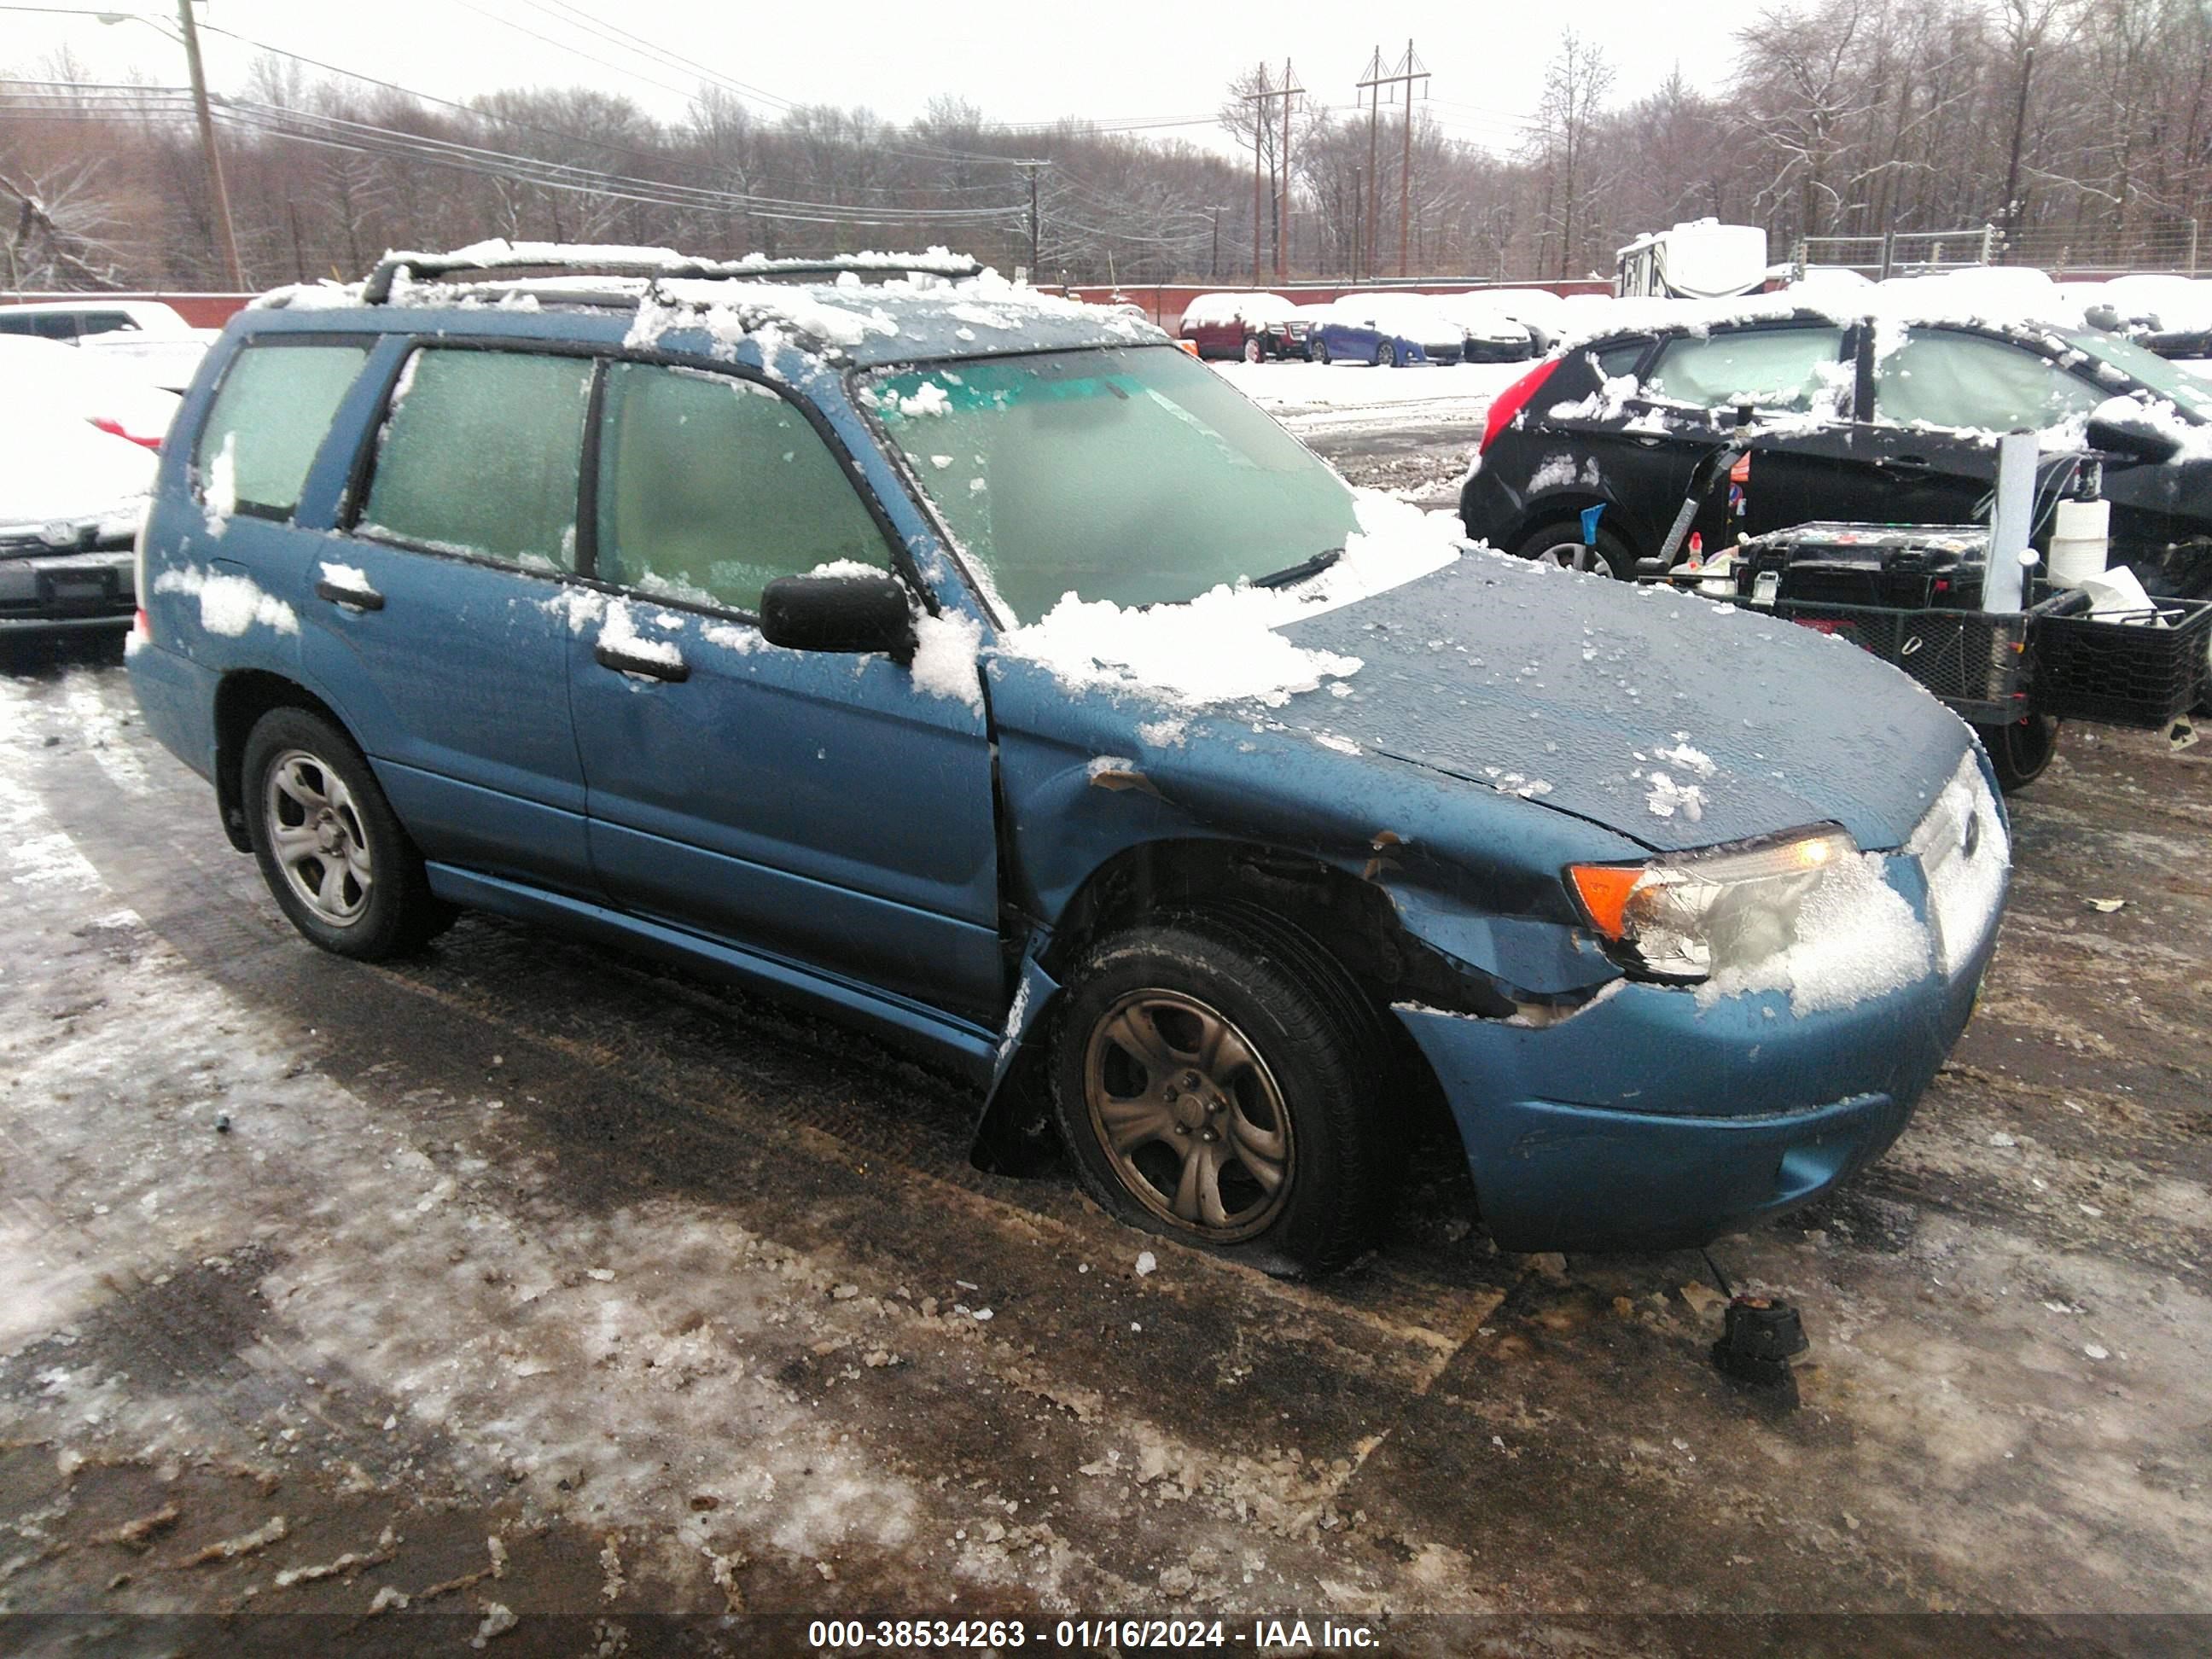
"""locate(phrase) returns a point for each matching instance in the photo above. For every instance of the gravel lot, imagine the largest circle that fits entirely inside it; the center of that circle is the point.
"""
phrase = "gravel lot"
(526, 1281)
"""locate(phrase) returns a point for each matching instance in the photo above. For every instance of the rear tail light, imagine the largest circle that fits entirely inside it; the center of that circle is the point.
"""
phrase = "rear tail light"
(107, 424)
(1510, 402)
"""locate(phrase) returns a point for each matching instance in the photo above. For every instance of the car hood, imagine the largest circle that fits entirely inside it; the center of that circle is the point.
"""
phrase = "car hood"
(1674, 721)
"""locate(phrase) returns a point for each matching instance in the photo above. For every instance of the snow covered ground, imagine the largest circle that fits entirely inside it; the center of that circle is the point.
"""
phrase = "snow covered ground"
(525, 1280)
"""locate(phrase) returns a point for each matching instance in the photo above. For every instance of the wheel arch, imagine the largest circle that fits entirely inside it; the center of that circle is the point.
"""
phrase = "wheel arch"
(1296, 903)
(241, 698)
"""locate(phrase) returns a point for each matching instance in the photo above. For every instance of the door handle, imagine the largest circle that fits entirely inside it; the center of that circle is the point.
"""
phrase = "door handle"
(1910, 464)
(652, 667)
(354, 599)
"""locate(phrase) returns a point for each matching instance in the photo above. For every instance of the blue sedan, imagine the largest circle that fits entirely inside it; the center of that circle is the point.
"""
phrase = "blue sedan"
(1386, 330)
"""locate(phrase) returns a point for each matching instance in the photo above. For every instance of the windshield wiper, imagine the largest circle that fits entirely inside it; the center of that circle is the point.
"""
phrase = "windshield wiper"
(1298, 572)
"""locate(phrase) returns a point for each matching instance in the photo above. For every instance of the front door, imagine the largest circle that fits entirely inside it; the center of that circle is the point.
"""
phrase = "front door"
(828, 811)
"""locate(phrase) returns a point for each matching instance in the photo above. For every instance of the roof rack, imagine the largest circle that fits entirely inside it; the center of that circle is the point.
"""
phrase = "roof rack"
(500, 254)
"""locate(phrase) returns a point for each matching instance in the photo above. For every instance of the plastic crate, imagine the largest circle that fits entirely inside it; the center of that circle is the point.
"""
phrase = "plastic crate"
(1974, 660)
(2087, 669)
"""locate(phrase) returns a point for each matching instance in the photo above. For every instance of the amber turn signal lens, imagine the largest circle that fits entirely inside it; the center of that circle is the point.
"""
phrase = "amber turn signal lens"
(1604, 891)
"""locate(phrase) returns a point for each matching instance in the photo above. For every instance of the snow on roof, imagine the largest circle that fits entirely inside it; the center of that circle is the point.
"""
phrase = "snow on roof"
(914, 316)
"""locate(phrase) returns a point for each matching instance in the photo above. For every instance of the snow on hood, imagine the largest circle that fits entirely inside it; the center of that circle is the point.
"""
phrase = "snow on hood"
(1678, 722)
(1223, 646)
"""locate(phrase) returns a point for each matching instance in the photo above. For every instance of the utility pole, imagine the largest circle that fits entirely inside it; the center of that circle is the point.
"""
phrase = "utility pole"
(1409, 70)
(1374, 85)
(1259, 144)
(229, 238)
(1359, 222)
(2019, 130)
(1030, 170)
(1283, 214)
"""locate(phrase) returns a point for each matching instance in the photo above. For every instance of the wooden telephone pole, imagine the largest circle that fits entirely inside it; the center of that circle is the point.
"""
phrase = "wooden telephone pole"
(1288, 90)
(1409, 70)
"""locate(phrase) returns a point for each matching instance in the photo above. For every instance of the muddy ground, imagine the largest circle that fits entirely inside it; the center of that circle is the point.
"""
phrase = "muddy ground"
(523, 1281)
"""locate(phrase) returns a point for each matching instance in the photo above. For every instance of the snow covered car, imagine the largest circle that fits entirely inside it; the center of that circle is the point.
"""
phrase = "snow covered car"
(145, 337)
(1861, 414)
(984, 673)
(1386, 330)
(1253, 327)
(77, 463)
(1490, 334)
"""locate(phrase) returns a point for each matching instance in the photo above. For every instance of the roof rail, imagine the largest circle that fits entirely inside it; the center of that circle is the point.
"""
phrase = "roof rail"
(500, 254)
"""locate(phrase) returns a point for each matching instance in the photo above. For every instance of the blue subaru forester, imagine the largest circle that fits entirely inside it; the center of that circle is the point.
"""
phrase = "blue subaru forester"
(975, 666)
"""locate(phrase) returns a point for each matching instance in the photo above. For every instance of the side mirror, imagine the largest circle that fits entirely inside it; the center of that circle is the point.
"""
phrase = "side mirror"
(2131, 439)
(838, 613)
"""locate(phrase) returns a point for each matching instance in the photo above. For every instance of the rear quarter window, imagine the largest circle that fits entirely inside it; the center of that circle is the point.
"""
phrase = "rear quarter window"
(1768, 367)
(269, 419)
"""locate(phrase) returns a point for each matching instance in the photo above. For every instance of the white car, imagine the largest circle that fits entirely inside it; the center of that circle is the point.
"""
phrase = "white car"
(145, 338)
(77, 455)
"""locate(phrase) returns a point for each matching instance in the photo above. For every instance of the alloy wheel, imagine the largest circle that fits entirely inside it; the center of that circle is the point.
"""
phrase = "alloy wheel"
(1189, 1115)
(315, 832)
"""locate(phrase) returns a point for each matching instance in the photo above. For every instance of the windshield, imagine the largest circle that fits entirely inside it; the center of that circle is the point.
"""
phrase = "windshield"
(1137, 475)
(2167, 380)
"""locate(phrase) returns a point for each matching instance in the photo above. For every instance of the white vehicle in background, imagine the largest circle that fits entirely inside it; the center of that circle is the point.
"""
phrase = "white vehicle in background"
(77, 443)
(146, 337)
(1494, 334)
(1539, 310)
(1704, 260)
(2169, 315)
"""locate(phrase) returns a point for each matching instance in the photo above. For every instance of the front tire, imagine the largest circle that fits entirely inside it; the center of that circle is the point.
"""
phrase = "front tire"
(2020, 753)
(1222, 1086)
(1384, 357)
(333, 852)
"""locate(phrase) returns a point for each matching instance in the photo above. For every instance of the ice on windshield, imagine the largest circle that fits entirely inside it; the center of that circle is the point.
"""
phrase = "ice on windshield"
(1134, 477)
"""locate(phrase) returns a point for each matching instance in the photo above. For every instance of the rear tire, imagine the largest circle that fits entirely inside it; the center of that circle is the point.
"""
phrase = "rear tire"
(333, 851)
(2019, 753)
(1561, 544)
(1321, 353)
(1223, 1084)
(1252, 352)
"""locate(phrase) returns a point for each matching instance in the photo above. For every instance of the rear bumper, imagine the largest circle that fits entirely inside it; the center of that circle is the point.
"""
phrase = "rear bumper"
(177, 697)
(1645, 1122)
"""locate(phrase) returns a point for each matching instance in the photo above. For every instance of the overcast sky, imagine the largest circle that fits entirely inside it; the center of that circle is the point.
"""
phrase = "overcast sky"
(1017, 60)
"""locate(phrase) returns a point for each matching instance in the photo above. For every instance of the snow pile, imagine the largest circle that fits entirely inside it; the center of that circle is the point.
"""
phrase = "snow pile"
(222, 498)
(346, 575)
(927, 398)
(1962, 889)
(1609, 403)
(1222, 647)
(620, 634)
(1854, 938)
(945, 655)
(579, 606)
(1689, 759)
(228, 605)
(1667, 796)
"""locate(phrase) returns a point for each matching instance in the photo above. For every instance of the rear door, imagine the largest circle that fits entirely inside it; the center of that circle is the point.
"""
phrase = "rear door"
(439, 622)
(826, 810)
(1941, 397)
(1795, 375)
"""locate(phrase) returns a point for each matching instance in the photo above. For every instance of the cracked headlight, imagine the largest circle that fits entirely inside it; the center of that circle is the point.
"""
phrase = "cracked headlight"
(1698, 915)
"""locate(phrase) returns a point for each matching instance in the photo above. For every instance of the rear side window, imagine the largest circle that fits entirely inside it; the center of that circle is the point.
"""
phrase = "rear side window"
(710, 487)
(106, 322)
(269, 419)
(1767, 368)
(480, 455)
(1966, 380)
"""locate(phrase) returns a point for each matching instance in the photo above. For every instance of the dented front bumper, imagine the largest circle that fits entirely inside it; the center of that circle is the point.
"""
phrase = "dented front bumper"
(1647, 1122)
